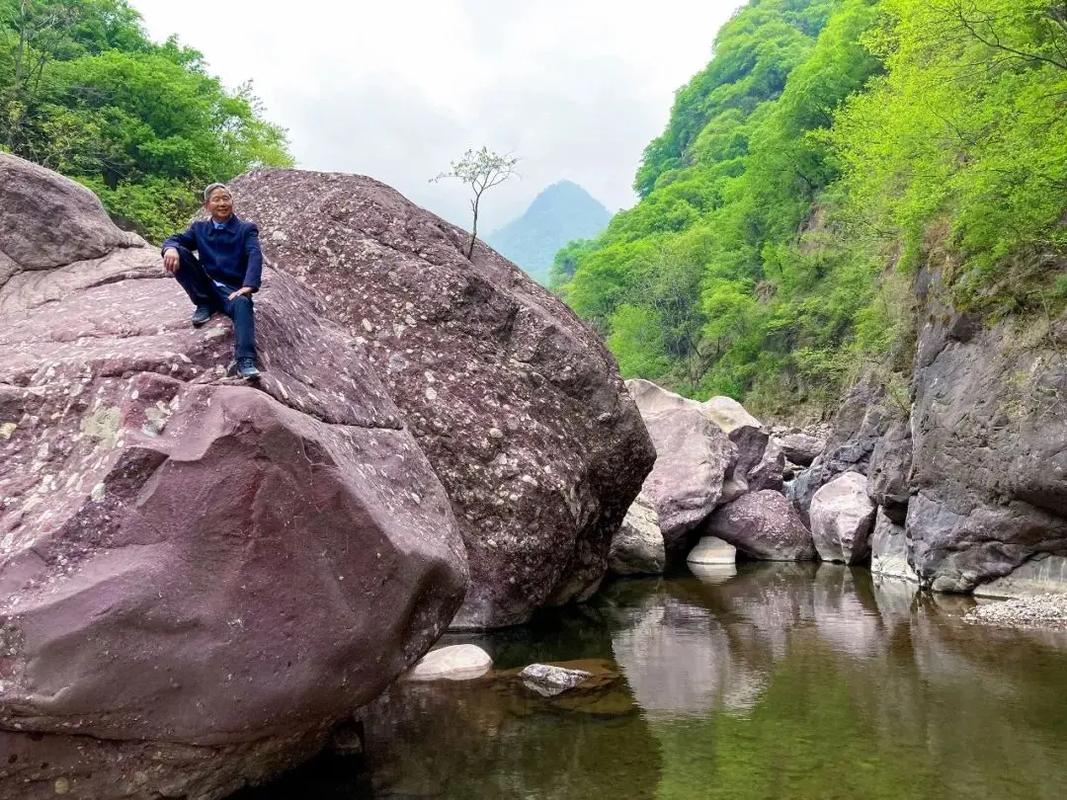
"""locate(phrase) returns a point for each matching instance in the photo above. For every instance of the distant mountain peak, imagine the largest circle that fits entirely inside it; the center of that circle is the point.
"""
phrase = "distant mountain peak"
(561, 212)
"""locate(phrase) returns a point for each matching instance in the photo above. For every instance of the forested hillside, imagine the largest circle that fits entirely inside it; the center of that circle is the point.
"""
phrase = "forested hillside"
(828, 148)
(84, 91)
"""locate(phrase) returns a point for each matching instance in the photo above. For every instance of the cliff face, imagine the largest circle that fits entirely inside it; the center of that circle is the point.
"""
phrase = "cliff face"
(988, 481)
(972, 478)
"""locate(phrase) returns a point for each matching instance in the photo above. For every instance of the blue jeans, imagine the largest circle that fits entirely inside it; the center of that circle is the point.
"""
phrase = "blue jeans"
(204, 291)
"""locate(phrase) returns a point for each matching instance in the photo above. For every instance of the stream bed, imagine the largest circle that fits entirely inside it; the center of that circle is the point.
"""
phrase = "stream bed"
(768, 681)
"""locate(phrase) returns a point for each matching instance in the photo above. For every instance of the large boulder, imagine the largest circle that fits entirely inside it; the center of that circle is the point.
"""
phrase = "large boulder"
(197, 578)
(759, 462)
(694, 456)
(864, 416)
(516, 403)
(638, 546)
(801, 448)
(842, 516)
(989, 450)
(763, 525)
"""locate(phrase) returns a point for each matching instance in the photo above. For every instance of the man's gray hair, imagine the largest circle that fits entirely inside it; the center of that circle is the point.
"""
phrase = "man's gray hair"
(212, 187)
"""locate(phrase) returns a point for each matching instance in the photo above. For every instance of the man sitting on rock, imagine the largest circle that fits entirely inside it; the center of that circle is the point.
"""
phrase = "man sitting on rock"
(225, 275)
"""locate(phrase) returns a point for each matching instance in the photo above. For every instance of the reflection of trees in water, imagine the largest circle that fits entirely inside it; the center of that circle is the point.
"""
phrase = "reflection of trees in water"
(783, 681)
(871, 690)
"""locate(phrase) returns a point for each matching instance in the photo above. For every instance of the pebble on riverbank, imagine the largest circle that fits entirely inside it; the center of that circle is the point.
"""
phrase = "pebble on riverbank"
(1040, 611)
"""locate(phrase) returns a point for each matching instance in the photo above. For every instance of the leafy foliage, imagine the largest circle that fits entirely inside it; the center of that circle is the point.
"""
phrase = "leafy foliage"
(806, 171)
(85, 92)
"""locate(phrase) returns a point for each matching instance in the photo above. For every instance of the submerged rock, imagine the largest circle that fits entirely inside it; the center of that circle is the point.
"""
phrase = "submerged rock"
(197, 577)
(549, 680)
(763, 525)
(841, 519)
(515, 401)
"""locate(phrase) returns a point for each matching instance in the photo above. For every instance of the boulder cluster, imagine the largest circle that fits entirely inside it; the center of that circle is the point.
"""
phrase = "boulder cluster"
(200, 578)
(957, 481)
(718, 480)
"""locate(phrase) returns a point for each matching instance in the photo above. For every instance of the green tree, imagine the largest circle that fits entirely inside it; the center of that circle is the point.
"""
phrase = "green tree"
(85, 92)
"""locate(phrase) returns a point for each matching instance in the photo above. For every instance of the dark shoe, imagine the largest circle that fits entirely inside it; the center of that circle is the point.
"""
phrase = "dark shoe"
(245, 368)
(201, 315)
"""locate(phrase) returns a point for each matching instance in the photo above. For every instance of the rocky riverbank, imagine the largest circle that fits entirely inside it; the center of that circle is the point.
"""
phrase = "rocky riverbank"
(1041, 611)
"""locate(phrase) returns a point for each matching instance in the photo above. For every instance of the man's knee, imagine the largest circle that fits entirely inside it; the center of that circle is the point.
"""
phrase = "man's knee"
(242, 301)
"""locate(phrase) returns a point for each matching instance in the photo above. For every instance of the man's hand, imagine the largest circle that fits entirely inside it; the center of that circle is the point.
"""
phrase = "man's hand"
(170, 260)
(243, 290)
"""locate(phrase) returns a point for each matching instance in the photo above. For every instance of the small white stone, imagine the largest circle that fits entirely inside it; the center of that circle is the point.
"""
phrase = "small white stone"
(431, 393)
(459, 662)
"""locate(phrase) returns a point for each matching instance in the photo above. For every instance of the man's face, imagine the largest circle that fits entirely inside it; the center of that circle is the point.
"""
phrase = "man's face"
(219, 205)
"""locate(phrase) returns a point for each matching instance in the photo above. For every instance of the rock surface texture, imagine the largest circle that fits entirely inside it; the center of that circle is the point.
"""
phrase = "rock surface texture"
(842, 517)
(694, 457)
(197, 578)
(459, 662)
(763, 525)
(989, 446)
(515, 402)
(889, 549)
(713, 551)
(638, 546)
(865, 415)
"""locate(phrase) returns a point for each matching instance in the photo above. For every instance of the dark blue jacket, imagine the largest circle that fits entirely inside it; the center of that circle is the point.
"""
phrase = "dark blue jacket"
(230, 255)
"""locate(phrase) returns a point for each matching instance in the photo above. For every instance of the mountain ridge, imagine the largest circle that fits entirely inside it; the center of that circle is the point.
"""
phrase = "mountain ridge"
(560, 213)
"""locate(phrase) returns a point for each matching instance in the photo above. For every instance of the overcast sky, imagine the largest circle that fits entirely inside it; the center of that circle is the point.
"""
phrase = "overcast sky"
(397, 90)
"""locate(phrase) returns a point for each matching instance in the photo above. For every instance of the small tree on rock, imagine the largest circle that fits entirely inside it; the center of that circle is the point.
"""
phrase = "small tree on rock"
(481, 170)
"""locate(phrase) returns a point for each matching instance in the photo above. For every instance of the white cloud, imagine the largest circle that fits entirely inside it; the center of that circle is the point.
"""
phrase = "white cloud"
(575, 88)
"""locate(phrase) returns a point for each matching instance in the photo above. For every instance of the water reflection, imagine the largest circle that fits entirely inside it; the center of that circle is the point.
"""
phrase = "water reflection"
(782, 681)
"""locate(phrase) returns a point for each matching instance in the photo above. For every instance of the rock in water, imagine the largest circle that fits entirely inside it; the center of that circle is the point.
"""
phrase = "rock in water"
(459, 662)
(638, 546)
(197, 577)
(763, 525)
(841, 519)
(889, 549)
(713, 551)
(516, 403)
(694, 455)
(549, 680)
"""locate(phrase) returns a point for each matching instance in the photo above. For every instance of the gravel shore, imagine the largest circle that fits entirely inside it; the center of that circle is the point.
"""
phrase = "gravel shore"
(1040, 611)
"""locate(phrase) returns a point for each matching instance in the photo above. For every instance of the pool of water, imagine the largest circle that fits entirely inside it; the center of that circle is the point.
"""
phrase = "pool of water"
(774, 681)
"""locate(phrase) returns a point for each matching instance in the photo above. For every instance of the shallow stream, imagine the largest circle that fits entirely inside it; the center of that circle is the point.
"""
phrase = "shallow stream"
(777, 681)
